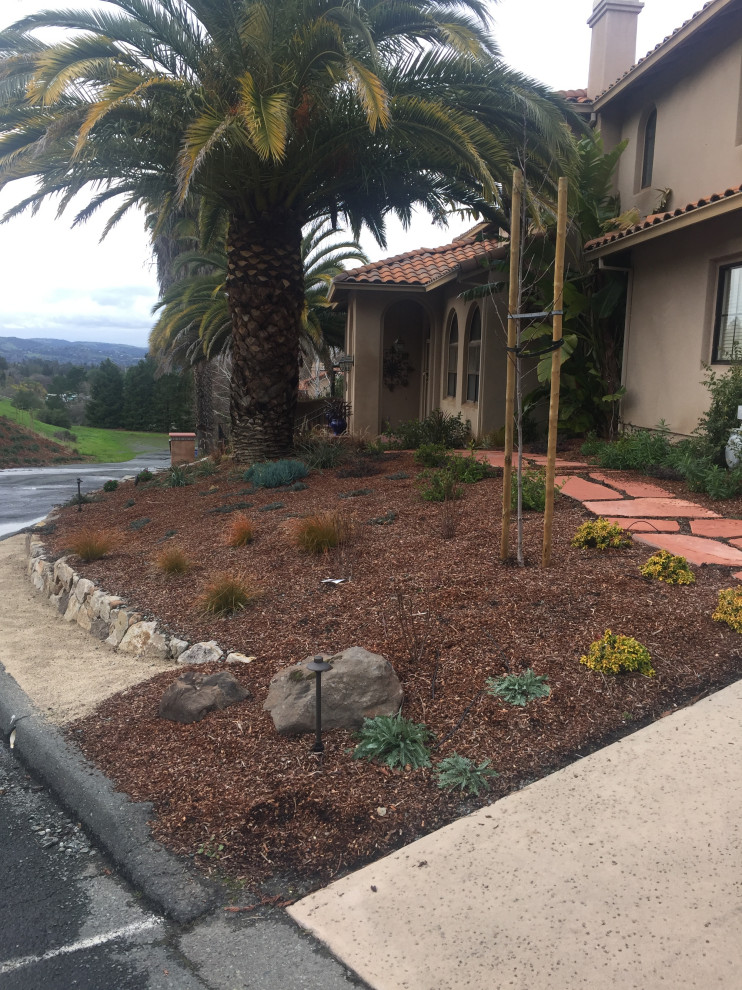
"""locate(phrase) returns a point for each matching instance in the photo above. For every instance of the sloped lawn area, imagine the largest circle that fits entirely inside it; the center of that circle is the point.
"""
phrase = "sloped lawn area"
(241, 799)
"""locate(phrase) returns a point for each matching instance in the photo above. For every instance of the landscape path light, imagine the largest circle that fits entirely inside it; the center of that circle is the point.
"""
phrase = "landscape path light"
(79, 495)
(319, 666)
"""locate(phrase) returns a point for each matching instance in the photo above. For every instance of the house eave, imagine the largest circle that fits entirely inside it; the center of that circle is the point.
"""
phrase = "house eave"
(650, 61)
(698, 215)
(407, 287)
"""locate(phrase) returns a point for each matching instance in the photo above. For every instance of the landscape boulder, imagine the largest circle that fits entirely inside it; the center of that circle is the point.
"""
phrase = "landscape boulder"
(193, 695)
(359, 685)
(206, 652)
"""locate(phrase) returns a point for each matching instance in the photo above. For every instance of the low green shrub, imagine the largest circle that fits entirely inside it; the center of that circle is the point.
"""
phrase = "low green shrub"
(431, 455)
(456, 772)
(321, 452)
(518, 689)
(394, 740)
(178, 476)
(664, 566)
(205, 468)
(272, 507)
(729, 609)
(534, 490)
(356, 493)
(617, 654)
(438, 428)
(440, 486)
(602, 535)
(275, 474)
(144, 476)
(137, 524)
(110, 486)
(635, 450)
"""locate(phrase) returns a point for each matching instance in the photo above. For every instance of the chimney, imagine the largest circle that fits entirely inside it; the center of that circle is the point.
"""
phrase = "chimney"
(613, 44)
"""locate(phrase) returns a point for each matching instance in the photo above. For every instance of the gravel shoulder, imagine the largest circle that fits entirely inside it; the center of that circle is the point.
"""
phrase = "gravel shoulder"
(61, 667)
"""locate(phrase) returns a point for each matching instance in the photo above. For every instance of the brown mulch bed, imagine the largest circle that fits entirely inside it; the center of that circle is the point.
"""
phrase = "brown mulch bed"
(233, 793)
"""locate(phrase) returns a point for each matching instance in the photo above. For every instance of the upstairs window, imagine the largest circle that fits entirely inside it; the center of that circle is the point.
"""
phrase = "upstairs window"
(453, 358)
(728, 330)
(650, 133)
(473, 354)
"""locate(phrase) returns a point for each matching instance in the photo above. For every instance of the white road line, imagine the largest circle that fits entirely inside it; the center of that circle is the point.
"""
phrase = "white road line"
(86, 943)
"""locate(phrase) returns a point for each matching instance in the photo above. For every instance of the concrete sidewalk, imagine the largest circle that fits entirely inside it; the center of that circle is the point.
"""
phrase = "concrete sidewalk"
(623, 870)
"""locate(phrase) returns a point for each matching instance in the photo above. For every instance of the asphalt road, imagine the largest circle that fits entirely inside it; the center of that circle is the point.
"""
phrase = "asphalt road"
(28, 494)
(68, 922)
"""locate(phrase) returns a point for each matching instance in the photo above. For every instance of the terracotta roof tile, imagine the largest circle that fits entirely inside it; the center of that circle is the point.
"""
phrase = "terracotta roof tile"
(575, 95)
(424, 266)
(657, 218)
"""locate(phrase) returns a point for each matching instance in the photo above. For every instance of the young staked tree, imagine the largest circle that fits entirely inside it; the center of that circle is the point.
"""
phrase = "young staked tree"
(279, 112)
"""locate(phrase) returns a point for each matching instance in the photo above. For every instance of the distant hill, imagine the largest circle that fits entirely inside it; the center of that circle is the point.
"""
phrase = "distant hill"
(79, 352)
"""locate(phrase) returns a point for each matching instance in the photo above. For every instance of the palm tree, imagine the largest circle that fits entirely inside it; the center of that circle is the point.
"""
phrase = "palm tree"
(281, 113)
(194, 325)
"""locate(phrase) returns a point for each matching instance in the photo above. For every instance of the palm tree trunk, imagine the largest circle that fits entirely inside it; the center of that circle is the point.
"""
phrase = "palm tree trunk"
(265, 288)
(203, 389)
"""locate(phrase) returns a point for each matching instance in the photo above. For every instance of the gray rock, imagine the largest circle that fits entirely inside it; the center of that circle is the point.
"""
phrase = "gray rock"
(177, 647)
(121, 619)
(192, 696)
(84, 618)
(73, 607)
(360, 685)
(63, 573)
(238, 658)
(99, 628)
(37, 581)
(61, 600)
(144, 638)
(83, 589)
(202, 653)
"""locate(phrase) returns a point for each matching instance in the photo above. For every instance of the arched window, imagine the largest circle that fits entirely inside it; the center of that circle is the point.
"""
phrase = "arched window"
(650, 133)
(473, 355)
(453, 357)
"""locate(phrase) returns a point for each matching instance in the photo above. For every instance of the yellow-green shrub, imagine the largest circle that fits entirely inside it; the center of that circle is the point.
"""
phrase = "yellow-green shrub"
(322, 532)
(729, 609)
(617, 654)
(602, 535)
(664, 566)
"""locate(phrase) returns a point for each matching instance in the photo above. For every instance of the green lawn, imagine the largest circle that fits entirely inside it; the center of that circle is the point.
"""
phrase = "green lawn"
(106, 446)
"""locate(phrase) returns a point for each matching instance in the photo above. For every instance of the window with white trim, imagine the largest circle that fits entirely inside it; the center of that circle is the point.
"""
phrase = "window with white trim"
(728, 330)
(473, 356)
(453, 358)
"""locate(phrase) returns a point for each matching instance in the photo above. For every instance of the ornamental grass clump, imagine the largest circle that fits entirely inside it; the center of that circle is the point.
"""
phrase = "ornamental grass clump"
(92, 543)
(456, 772)
(173, 561)
(518, 689)
(617, 654)
(227, 593)
(729, 609)
(664, 566)
(394, 740)
(240, 531)
(321, 532)
(602, 535)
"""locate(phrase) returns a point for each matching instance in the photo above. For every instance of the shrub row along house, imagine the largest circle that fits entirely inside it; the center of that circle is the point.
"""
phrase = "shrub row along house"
(417, 345)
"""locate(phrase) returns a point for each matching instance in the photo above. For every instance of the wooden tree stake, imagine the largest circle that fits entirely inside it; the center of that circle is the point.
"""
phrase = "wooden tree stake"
(513, 298)
(556, 367)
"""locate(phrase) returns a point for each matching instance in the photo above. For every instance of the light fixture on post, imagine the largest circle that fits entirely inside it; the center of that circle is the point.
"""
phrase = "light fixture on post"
(319, 666)
(345, 362)
(79, 495)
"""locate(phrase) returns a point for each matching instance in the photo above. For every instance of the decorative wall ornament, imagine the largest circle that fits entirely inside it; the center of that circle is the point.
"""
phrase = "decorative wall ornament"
(397, 367)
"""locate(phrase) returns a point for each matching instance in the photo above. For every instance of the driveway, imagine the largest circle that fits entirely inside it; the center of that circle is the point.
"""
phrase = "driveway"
(28, 494)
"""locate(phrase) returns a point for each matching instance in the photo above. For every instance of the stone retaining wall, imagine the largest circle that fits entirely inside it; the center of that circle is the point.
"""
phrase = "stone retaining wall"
(108, 617)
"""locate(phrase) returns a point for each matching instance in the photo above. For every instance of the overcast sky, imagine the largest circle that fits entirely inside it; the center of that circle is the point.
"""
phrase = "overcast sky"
(59, 282)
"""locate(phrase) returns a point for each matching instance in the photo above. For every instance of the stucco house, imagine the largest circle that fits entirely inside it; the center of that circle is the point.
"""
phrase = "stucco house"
(680, 110)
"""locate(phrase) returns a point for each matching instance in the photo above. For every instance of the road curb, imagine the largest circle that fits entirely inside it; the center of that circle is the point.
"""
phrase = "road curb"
(118, 825)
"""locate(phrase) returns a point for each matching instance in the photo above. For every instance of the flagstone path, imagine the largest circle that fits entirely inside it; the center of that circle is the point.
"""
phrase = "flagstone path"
(651, 514)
